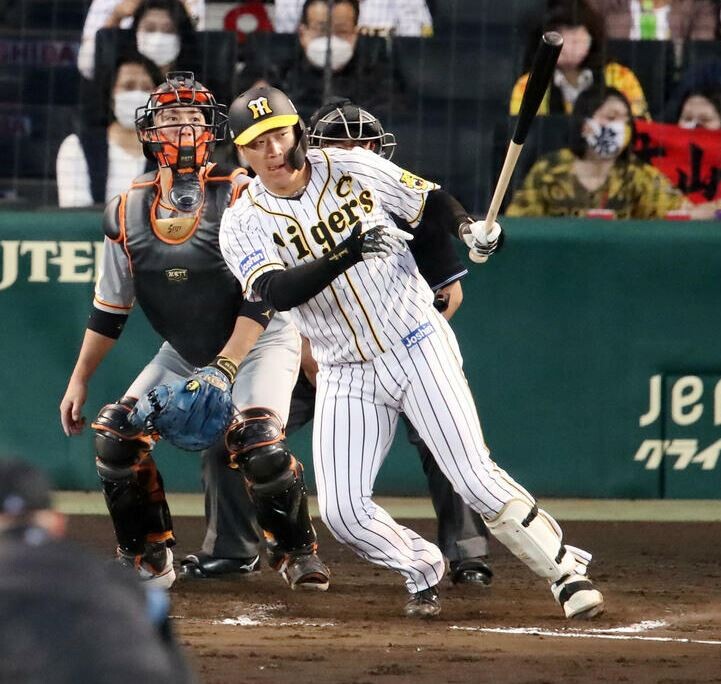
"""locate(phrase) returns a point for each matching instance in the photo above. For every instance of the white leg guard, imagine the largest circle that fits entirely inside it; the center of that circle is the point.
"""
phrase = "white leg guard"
(534, 537)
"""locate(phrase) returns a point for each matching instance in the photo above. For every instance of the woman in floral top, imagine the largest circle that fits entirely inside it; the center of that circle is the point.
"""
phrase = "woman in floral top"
(597, 171)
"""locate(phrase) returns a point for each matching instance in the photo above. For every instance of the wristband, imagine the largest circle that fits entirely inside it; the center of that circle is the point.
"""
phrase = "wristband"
(225, 366)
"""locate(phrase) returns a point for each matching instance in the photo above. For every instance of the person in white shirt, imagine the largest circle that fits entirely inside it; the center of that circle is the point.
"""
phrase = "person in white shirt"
(91, 170)
(119, 14)
(397, 17)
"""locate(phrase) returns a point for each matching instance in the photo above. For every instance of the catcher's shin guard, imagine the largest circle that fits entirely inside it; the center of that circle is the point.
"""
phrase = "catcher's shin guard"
(132, 485)
(275, 481)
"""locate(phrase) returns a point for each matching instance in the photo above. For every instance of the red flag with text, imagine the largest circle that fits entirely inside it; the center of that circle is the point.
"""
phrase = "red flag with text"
(689, 157)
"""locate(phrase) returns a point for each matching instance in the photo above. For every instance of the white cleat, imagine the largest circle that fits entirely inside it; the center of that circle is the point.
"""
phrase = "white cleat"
(578, 598)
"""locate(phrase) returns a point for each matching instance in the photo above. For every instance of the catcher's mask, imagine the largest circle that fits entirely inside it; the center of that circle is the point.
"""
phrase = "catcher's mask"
(180, 145)
(262, 109)
(340, 122)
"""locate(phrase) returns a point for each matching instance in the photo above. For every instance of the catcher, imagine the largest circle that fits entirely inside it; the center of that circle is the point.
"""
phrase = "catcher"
(161, 247)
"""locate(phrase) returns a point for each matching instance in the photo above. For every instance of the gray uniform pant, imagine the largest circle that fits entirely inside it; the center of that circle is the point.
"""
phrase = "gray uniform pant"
(265, 378)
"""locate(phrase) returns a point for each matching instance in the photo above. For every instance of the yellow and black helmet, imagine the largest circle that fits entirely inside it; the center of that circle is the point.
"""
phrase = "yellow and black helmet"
(262, 109)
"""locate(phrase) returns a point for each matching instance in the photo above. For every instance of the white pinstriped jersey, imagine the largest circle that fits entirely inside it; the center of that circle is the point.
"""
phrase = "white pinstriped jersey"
(374, 304)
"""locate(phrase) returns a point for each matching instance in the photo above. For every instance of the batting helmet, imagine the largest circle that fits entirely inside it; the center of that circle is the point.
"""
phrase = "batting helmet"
(160, 144)
(342, 121)
(262, 109)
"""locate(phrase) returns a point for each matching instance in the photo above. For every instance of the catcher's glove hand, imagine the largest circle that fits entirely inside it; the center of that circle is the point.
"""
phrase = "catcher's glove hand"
(191, 414)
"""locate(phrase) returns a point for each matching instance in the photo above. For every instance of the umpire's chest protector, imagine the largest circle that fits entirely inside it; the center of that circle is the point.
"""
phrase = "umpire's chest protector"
(181, 281)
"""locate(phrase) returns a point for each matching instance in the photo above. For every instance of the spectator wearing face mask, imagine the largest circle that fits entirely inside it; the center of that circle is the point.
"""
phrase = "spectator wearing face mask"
(119, 14)
(100, 161)
(701, 109)
(358, 71)
(688, 151)
(597, 175)
(581, 63)
(164, 34)
(377, 17)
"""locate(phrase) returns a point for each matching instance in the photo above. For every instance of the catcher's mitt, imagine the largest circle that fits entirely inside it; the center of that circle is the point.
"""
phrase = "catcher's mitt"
(191, 414)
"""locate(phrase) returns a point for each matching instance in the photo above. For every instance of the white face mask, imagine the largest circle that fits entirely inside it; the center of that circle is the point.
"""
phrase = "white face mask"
(606, 140)
(125, 103)
(161, 48)
(689, 123)
(341, 52)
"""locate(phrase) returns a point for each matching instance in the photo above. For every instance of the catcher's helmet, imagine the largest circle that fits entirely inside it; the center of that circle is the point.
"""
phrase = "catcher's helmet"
(342, 121)
(262, 109)
(180, 90)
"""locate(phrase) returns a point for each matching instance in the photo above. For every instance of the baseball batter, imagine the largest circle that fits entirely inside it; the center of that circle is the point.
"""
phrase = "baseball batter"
(313, 234)
(161, 247)
(462, 535)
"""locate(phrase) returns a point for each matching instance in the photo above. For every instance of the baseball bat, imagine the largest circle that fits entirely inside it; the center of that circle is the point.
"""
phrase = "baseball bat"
(539, 77)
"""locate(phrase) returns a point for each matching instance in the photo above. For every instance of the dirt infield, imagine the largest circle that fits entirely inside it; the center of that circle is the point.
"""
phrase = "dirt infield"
(662, 583)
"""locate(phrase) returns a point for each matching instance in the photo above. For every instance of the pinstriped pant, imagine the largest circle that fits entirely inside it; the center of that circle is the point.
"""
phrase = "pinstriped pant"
(355, 420)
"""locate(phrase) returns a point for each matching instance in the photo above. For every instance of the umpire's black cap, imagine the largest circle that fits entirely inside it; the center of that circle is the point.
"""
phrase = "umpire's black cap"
(23, 488)
(259, 110)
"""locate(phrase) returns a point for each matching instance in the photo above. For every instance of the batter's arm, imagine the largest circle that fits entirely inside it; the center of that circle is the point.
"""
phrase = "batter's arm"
(290, 287)
(444, 212)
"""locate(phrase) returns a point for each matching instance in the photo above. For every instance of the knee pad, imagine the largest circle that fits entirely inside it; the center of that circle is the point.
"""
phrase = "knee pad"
(534, 537)
(256, 442)
(118, 445)
(132, 485)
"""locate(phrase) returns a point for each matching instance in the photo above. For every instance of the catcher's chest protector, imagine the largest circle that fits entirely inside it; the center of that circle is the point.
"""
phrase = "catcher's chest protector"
(184, 287)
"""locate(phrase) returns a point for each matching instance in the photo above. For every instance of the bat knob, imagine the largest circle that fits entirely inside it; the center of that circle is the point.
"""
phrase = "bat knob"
(553, 38)
(477, 258)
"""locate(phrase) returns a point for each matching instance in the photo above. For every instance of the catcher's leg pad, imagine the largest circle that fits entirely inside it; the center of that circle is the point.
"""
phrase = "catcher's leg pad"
(256, 441)
(132, 485)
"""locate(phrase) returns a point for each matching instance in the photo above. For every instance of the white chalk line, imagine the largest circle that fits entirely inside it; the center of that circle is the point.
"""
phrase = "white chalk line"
(260, 615)
(628, 633)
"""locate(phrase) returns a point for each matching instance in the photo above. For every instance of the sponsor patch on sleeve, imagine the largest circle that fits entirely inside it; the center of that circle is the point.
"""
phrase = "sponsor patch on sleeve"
(247, 265)
(415, 182)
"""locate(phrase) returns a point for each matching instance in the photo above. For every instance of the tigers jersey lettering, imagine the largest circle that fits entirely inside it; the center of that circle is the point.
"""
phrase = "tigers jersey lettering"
(374, 304)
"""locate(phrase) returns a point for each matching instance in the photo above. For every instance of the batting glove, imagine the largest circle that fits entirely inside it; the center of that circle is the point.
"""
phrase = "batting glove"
(480, 243)
(378, 242)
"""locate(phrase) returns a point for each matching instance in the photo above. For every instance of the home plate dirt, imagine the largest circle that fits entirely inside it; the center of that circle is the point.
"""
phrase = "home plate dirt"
(661, 582)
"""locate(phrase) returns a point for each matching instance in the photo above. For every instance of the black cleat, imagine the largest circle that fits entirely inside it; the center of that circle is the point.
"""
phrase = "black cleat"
(305, 571)
(202, 566)
(423, 604)
(471, 571)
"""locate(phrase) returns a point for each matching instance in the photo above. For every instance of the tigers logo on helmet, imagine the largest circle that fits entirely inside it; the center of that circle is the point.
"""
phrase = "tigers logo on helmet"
(259, 107)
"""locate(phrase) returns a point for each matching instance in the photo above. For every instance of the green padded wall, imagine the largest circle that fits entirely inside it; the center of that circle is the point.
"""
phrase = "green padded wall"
(563, 333)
